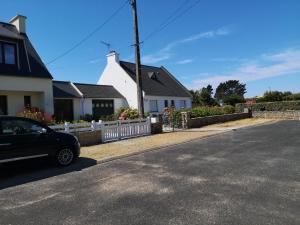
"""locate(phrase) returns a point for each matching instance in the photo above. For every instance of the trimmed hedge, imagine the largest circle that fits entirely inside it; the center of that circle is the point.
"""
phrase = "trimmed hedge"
(202, 111)
(269, 106)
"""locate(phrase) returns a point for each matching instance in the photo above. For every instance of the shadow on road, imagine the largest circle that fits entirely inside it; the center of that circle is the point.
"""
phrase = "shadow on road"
(22, 172)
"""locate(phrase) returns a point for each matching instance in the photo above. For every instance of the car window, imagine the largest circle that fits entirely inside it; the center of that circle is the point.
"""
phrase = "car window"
(15, 127)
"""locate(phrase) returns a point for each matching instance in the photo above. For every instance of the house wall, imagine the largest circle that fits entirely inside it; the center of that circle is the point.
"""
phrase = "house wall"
(161, 102)
(77, 108)
(28, 84)
(114, 75)
(15, 100)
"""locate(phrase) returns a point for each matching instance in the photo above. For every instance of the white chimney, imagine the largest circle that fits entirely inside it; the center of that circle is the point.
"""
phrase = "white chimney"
(113, 57)
(20, 23)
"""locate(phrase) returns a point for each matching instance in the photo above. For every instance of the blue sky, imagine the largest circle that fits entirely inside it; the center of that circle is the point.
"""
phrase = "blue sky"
(257, 41)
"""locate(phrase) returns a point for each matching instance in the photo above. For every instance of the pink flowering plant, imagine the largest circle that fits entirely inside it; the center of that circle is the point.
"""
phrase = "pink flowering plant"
(36, 114)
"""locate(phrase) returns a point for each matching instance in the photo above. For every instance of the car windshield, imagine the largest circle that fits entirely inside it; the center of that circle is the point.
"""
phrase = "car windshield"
(20, 127)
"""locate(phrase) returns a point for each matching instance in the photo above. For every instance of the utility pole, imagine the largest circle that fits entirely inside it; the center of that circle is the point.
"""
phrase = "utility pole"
(138, 73)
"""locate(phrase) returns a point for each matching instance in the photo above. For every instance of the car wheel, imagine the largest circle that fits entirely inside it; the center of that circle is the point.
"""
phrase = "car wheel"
(65, 157)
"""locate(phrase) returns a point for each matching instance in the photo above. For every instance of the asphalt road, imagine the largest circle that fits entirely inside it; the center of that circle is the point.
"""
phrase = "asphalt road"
(247, 176)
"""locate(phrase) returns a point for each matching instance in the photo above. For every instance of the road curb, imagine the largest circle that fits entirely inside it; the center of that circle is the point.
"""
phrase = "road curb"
(101, 161)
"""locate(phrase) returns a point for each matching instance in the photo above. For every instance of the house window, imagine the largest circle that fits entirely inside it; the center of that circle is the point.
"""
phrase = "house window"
(166, 103)
(182, 104)
(172, 103)
(8, 53)
(27, 101)
(3, 105)
(153, 106)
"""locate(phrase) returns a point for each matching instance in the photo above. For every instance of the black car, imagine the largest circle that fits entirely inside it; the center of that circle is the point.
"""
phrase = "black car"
(22, 138)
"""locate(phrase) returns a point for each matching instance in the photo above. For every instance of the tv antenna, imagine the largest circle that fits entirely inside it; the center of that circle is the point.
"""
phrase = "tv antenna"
(108, 45)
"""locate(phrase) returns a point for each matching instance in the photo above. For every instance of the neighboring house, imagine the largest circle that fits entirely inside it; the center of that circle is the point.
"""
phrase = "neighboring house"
(72, 100)
(160, 88)
(24, 79)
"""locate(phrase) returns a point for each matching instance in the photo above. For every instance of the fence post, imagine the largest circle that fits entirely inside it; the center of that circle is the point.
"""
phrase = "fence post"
(93, 125)
(148, 125)
(67, 128)
(100, 127)
(119, 129)
(185, 117)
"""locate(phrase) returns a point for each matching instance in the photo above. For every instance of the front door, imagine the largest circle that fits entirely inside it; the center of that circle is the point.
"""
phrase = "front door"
(102, 108)
(3, 105)
(63, 110)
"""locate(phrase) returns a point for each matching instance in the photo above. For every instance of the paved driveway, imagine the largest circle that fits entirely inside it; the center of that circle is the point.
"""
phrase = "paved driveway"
(247, 176)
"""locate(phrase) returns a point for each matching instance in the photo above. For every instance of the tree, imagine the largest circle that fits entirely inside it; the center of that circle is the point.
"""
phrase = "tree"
(233, 99)
(206, 96)
(196, 96)
(203, 96)
(231, 92)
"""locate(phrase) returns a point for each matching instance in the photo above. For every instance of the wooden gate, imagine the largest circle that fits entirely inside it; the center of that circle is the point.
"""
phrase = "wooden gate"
(117, 130)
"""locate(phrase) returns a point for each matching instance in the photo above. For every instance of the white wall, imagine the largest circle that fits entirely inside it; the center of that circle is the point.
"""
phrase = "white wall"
(15, 100)
(161, 102)
(114, 75)
(28, 84)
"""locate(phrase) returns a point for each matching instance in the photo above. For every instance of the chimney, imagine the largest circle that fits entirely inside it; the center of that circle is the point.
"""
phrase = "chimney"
(113, 57)
(20, 23)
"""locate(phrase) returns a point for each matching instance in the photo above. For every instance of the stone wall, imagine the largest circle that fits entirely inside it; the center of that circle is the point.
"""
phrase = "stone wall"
(203, 121)
(89, 137)
(286, 115)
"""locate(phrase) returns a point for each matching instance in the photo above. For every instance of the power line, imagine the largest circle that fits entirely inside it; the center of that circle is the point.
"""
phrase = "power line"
(169, 17)
(90, 34)
(167, 23)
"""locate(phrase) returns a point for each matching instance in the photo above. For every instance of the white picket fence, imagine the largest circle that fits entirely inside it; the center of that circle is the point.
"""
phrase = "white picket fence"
(110, 131)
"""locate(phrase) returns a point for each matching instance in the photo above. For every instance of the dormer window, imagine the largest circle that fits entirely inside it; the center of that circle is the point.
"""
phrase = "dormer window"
(8, 53)
(152, 75)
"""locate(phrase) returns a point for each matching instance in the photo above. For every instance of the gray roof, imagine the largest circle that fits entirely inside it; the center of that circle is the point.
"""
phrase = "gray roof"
(30, 64)
(98, 91)
(64, 89)
(157, 81)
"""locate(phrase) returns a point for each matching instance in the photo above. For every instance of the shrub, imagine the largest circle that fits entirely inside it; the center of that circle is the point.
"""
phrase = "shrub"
(228, 109)
(87, 117)
(270, 106)
(127, 113)
(36, 114)
(173, 117)
(206, 111)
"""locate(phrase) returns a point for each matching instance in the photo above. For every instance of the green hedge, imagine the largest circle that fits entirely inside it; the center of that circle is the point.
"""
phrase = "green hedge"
(270, 106)
(202, 112)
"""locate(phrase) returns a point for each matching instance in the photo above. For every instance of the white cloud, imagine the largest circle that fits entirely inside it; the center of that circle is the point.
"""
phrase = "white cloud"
(154, 58)
(209, 34)
(185, 61)
(264, 66)
(93, 61)
(165, 54)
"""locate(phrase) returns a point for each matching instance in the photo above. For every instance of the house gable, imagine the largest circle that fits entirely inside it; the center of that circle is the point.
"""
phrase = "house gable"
(28, 62)
(157, 81)
(116, 76)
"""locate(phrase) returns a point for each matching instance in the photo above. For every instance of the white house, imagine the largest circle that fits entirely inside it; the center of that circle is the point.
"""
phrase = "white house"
(160, 88)
(26, 82)
(73, 100)
(24, 79)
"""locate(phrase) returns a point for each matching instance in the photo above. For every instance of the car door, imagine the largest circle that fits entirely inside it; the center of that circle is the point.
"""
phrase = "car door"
(22, 138)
